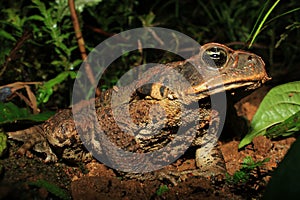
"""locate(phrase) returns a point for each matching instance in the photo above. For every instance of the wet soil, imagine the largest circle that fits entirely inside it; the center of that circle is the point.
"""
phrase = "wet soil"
(95, 181)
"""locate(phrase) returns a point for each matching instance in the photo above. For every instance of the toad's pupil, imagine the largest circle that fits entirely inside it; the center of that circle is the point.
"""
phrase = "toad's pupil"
(215, 57)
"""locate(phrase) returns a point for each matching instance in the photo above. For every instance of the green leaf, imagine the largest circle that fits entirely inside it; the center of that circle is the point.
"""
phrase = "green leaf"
(279, 104)
(249, 164)
(35, 17)
(11, 113)
(73, 65)
(259, 28)
(46, 90)
(285, 128)
(7, 35)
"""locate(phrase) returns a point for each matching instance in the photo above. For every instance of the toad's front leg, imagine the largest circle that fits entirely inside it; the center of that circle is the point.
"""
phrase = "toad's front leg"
(33, 138)
(209, 158)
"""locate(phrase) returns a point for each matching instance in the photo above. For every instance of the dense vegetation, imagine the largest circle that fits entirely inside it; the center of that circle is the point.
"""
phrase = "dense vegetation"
(38, 40)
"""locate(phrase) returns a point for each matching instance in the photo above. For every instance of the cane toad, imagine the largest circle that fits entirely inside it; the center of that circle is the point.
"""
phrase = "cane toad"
(157, 112)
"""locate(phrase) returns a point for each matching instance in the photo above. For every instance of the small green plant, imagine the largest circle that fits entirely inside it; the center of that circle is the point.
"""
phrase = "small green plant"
(52, 188)
(227, 15)
(258, 26)
(244, 174)
(46, 90)
(57, 31)
(262, 22)
(162, 189)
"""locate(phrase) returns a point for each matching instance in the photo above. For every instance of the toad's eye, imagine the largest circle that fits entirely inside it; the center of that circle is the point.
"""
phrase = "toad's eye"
(215, 57)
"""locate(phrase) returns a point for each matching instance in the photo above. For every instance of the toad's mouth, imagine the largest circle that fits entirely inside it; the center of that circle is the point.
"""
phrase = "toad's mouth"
(204, 90)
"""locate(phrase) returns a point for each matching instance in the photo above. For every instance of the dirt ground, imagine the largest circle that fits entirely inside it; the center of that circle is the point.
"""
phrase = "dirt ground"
(95, 181)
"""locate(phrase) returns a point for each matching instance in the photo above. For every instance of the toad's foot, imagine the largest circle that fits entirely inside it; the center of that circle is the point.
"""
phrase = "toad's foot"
(209, 161)
(32, 137)
(210, 164)
(174, 177)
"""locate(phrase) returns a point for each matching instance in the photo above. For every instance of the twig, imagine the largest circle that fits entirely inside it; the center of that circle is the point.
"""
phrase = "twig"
(156, 36)
(81, 46)
(98, 30)
(18, 85)
(25, 99)
(32, 99)
(104, 33)
(13, 53)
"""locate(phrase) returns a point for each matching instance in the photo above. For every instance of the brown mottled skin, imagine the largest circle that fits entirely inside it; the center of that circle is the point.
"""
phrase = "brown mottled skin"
(238, 70)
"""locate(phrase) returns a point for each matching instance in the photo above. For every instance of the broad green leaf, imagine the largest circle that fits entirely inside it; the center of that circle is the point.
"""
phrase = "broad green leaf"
(11, 113)
(279, 104)
(285, 128)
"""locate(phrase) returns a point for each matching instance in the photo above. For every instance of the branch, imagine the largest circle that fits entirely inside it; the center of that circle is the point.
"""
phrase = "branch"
(81, 45)
(13, 53)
